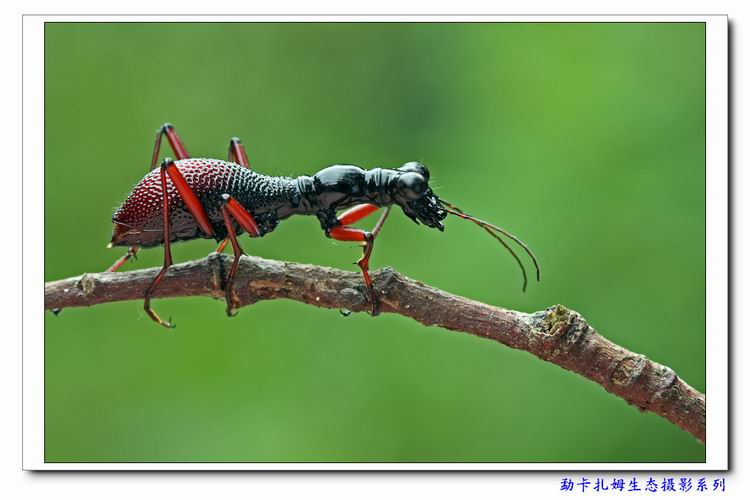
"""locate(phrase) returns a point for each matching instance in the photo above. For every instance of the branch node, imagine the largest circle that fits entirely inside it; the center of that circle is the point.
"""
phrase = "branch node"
(628, 370)
(556, 321)
(666, 380)
(86, 284)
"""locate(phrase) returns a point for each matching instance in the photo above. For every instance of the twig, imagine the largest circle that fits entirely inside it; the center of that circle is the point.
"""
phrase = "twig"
(557, 334)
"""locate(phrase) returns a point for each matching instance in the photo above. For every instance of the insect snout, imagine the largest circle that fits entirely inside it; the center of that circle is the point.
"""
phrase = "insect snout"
(417, 199)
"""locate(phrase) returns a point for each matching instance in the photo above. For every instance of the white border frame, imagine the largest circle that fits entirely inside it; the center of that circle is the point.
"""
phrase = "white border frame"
(717, 457)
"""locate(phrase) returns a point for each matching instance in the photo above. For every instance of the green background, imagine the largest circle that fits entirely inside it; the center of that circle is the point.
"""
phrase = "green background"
(586, 140)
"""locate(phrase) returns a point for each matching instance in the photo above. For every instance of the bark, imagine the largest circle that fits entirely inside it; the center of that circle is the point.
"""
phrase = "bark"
(558, 335)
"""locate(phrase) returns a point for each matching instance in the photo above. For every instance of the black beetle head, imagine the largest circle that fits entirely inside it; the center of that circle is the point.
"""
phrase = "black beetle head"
(413, 194)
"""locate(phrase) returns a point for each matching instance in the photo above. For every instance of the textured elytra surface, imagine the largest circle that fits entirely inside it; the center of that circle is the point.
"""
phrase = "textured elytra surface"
(140, 216)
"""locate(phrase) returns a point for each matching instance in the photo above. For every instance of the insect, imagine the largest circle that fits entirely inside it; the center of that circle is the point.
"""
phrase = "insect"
(191, 198)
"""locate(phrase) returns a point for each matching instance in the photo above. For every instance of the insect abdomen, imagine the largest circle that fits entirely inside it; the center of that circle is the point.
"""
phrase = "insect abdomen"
(139, 220)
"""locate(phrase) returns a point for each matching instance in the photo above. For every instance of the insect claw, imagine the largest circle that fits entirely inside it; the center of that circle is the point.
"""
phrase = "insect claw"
(168, 324)
(375, 309)
(345, 312)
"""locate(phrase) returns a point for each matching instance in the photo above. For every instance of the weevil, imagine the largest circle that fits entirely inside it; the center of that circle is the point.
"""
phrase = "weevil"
(189, 198)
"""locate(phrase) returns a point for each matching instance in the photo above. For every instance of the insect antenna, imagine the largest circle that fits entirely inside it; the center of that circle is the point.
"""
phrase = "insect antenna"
(513, 253)
(491, 230)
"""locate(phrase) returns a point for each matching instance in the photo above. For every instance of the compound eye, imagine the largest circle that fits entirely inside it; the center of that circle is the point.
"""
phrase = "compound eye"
(412, 185)
(417, 168)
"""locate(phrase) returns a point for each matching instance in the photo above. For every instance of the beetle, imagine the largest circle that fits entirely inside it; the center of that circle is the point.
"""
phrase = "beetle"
(191, 198)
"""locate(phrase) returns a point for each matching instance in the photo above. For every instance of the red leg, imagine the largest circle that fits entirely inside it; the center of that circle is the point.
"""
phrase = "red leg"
(122, 260)
(238, 253)
(242, 216)
(222, 245)
(356, 213)
(359, 212)
(237, 153)
(167, 253)
(345, 233)
(174, 140)
(231, 209)
(192, 202)
(180, 152)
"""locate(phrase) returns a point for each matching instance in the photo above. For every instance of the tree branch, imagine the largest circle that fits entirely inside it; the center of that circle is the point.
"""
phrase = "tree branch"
(557, 334)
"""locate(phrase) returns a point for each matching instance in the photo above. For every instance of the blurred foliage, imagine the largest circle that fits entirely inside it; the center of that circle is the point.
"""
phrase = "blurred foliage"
(586, 140)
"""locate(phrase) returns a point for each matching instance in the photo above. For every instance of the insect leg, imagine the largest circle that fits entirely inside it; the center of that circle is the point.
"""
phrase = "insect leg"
(242, 216)
(167, 252)
(345, 233)
(180, 152)
(229, 208)
(237, 153)
(174, 140)
(193, 204)
(222, 245)
(358, 212)
(122, 260)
